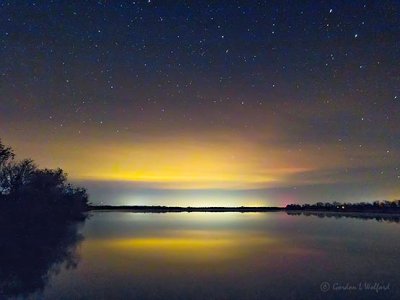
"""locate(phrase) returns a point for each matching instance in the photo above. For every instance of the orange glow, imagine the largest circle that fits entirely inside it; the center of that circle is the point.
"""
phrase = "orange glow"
(223, 160)
(183, 245)
(187, 164)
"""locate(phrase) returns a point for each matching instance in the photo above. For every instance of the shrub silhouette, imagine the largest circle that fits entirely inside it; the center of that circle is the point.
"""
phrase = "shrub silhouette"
(23, 185)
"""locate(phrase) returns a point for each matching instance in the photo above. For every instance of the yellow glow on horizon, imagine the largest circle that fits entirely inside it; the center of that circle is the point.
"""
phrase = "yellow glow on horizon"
(186, 164)
(223, 160)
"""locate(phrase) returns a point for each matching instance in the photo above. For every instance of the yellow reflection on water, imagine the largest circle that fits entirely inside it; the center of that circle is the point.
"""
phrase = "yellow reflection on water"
(169, 247)
(193, 245)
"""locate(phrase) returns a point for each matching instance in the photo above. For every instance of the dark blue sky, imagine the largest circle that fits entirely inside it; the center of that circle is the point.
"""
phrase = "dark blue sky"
(312, 85)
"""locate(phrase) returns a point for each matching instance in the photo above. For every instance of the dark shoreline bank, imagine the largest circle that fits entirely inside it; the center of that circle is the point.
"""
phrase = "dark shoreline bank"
(242, 209)
(161, 209)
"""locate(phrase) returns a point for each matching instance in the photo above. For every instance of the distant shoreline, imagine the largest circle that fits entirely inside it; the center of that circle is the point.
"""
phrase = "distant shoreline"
(182, 209)
(242, 209)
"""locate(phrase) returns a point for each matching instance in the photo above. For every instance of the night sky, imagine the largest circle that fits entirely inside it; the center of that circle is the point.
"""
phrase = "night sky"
(291, 101)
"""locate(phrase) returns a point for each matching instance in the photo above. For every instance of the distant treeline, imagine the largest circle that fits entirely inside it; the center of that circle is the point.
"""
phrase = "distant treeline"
(27, 189)
(392, 207)
(393, 218)
(376, 206)
(165, 209)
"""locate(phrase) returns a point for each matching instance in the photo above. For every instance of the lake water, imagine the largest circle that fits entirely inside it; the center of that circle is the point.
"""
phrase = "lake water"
(228, 256)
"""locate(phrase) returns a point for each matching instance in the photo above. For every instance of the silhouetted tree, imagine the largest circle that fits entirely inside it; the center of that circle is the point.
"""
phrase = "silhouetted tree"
(39, 211)
(16, 176)
(6, 154)
(23, 185)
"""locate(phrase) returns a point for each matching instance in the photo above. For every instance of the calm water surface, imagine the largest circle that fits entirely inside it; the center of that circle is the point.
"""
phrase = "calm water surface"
(228, 256)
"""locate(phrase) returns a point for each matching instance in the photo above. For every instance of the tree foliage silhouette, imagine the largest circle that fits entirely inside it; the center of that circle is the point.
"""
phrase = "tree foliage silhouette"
(24, 185)
(39, 214)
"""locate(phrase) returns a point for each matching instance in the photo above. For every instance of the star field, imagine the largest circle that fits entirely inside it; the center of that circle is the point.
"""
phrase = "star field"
(295, 95)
